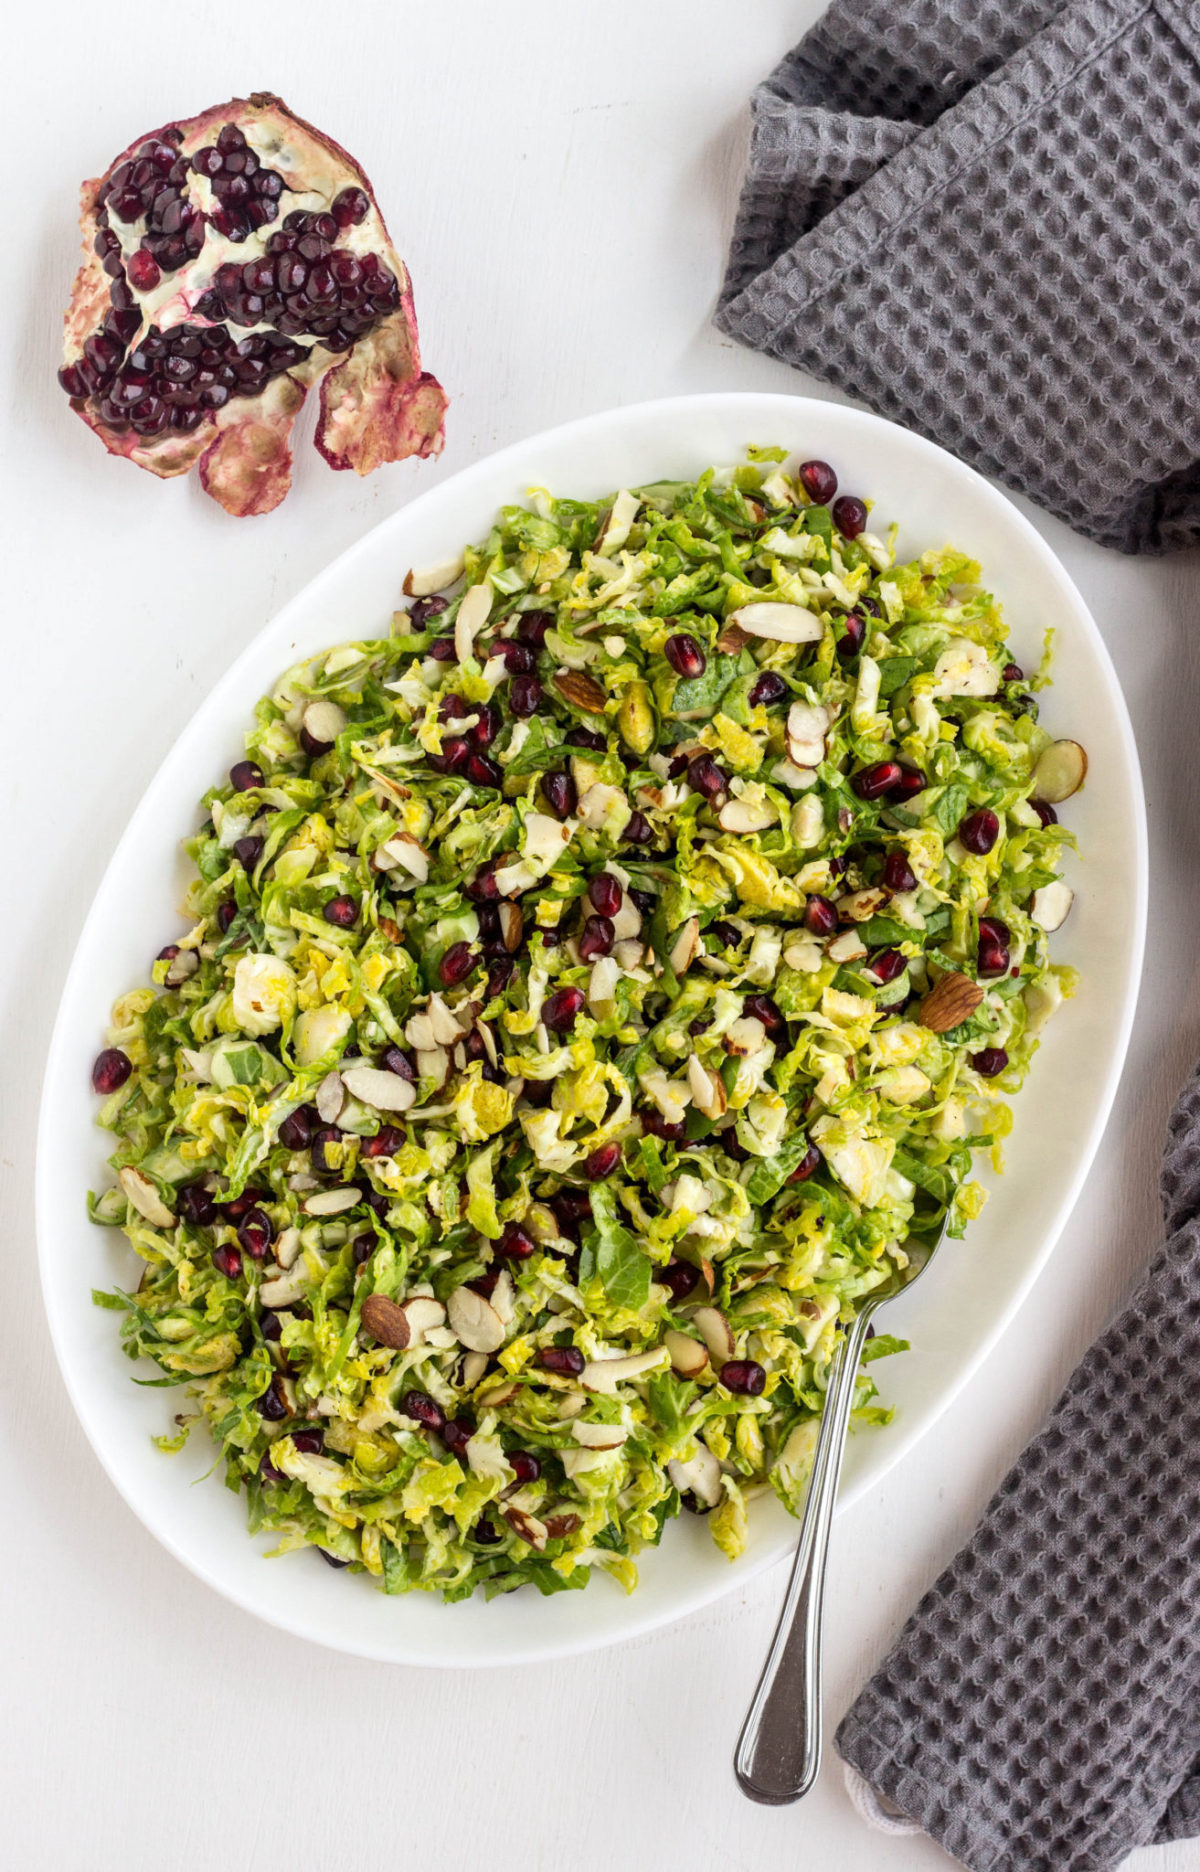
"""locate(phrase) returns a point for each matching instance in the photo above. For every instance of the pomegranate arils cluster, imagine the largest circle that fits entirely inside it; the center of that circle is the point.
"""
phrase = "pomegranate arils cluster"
(182, 349)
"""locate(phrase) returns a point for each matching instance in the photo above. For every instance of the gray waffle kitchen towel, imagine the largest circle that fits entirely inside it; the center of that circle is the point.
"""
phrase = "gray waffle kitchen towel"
(982, 217)
(1041, 1709)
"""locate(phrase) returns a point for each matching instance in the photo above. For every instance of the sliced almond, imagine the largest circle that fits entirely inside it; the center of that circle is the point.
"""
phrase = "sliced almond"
(287, 1248)
(403, 852)
(964, 668)
(581, 691)
(433, 1063)
(708, 1090)
(629, 954)
(742, 816)
(324, 721)
(284, 1291)
(598, 1435)
(953, 1000)
(512, 924)
(497, 1394)
(180, 968)
(744, 1036)
(602, 983)
(389, 928)
(688, 1356)
(783, 623)
(848, 947)
(331, 1202)
(470, 619)
(330, 1097)
(386, 1321)
(424, 1315)
(145, 1198)
(807, 727)
(432, 579)
(604, 1375)
(861, 905)
(715, 1331)
(444, 1024)
(732, 638)
(473, 1367)
(700, 1476)
(527, 1527)
(614, 528)
(384, 1091)
(1061, 771)
(686, 947)
(1051, 906)
(561, 1526)
(475, 1323)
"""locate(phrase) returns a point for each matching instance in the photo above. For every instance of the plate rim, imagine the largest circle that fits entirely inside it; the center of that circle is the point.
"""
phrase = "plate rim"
(903, 1440)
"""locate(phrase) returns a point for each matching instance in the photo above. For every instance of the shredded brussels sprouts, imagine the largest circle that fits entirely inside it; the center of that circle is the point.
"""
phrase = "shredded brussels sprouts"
(589, 990)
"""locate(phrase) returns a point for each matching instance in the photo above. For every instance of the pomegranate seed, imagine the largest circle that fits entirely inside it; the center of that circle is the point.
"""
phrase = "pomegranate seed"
(704, 776)
(911, 781)
(272, 1327)
(561, 794)
(524, 1465)
(743, 1375)
(678, 1277)
(566, 1360)
(602, 1162)
(638, 831)
(979, 831)
(238, 1206)
(332, 1559)
(760, 1007)
(605, 894)
(312, 747)
(769, 688)
(255, 1234)
(364, 1247)
(993, 946)
(533, 626)
(457, 1433)
(655, 1125)
(328, 1134)
(872, 783)
(385, 1143)
(456, 752)
(442, 650)
(560, 1009)
(228, 1262)
(248, 851)
(849, 515)
(820, 917)
(310, 1439)
(273, 1402)
(296, 1130)
(1012, 672)
(898, 874)
(484, 772)
(850, 642)
(111, 1070)
(1044, 811)
(989, 1062)
(341, 911)
(423, 609)
(487, 727)
(515, 1243)
(482, 887)
(395, 1060)
(244, 775)
(500, 973)
(819, 480)
(808, 1163)
(886, 965)
(425, 1410)
(142, 271)
(685, 656)
(350, 207)
(519, 659)
(452, 707)
(524, 696)
(195, 1204)
(269, 1472)
(597, 939)
(727, 934)
(729, 1143)
(456, 964)
(586, 738)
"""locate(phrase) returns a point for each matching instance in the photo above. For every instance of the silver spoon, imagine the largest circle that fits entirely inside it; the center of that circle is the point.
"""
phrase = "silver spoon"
(779, 1749)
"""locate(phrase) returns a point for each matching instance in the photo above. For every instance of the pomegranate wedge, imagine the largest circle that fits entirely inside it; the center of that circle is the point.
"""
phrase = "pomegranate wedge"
(233, 262)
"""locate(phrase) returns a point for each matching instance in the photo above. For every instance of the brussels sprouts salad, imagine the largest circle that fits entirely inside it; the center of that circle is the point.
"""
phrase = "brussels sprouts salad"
(592, 991)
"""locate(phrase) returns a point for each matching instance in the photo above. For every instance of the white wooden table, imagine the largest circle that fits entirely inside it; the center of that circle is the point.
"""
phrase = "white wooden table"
(562, 186)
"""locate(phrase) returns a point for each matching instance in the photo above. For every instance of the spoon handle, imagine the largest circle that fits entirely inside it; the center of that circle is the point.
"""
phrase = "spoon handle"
(779, 1750)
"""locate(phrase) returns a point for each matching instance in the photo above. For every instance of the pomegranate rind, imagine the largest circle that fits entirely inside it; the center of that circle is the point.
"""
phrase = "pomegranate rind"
(380, 407)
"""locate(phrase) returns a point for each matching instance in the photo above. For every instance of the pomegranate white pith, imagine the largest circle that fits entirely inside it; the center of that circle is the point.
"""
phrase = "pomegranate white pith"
(233, 261)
